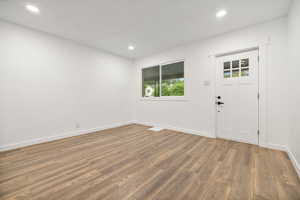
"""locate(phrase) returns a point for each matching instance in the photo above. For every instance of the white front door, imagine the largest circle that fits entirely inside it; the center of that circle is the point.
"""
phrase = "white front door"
(237, 97)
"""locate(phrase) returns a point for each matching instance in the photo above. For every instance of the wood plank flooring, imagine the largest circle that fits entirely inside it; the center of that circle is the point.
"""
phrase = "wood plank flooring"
(133, 163)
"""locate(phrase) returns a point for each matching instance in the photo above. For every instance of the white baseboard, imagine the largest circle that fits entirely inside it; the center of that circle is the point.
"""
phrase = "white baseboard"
(189, 131)
(288, 151)
(238, 140)
(275, 147)
(294, 161)
(60, 136)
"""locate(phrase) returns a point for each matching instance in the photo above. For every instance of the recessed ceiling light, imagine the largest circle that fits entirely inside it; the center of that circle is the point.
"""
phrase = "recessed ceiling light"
(221, 13)
(32, 8)
(131, 48)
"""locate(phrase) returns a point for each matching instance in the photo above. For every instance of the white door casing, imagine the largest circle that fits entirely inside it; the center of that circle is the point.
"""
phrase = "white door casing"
(237, 85)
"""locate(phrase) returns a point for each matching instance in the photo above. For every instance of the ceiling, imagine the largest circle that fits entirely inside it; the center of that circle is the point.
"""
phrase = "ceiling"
(150, 25)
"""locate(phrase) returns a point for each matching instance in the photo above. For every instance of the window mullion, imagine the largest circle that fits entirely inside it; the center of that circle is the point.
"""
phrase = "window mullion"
(160, 81)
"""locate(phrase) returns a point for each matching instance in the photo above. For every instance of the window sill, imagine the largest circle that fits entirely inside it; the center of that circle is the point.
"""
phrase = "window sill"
(183, 99)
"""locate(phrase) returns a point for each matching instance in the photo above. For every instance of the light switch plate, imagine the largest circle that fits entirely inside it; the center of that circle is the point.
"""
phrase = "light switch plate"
(206, 83)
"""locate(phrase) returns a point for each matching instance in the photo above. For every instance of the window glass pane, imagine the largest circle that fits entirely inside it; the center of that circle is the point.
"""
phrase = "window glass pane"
(235, 73)
(245, 62)
(172, 80)
(226, 65)
(245, 72)
(227, 74)
(235, 64)
(150, 83)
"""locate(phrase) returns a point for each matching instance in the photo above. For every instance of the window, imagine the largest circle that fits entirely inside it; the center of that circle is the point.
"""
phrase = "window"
(172, 79)
(236, 68)
(163, 80)
(151, 80)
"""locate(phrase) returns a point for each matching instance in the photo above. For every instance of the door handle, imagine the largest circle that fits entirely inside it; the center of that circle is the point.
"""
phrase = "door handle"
(219, 103)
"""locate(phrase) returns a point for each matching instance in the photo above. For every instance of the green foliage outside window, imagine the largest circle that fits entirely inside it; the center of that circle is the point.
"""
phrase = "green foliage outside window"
(172, 88)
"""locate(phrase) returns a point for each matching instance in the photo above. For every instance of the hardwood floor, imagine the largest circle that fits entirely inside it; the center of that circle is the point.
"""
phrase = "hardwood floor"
(133, 163)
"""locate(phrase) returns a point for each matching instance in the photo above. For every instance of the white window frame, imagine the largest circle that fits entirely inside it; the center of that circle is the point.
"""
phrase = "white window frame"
(164, 98)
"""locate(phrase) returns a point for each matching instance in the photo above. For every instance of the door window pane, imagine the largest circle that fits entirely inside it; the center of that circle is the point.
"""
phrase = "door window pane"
(235, 64)
(226, 65)
(245, 62)
(227, 74)
(172, 79)
(235, 73)
(245, 72)
(150, 83)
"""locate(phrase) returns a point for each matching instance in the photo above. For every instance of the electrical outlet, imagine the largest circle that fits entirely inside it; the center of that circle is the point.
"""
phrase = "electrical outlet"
(77, 125)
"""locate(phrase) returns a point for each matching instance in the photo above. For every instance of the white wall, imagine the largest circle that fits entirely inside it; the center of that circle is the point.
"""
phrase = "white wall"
(47, 85)
(196, 114)
(294, 81)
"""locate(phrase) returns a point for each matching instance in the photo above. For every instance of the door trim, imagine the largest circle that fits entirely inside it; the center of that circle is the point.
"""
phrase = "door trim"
(262, 85)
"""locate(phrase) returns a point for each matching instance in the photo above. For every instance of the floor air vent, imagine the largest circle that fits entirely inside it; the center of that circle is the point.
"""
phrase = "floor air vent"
(156, 129)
